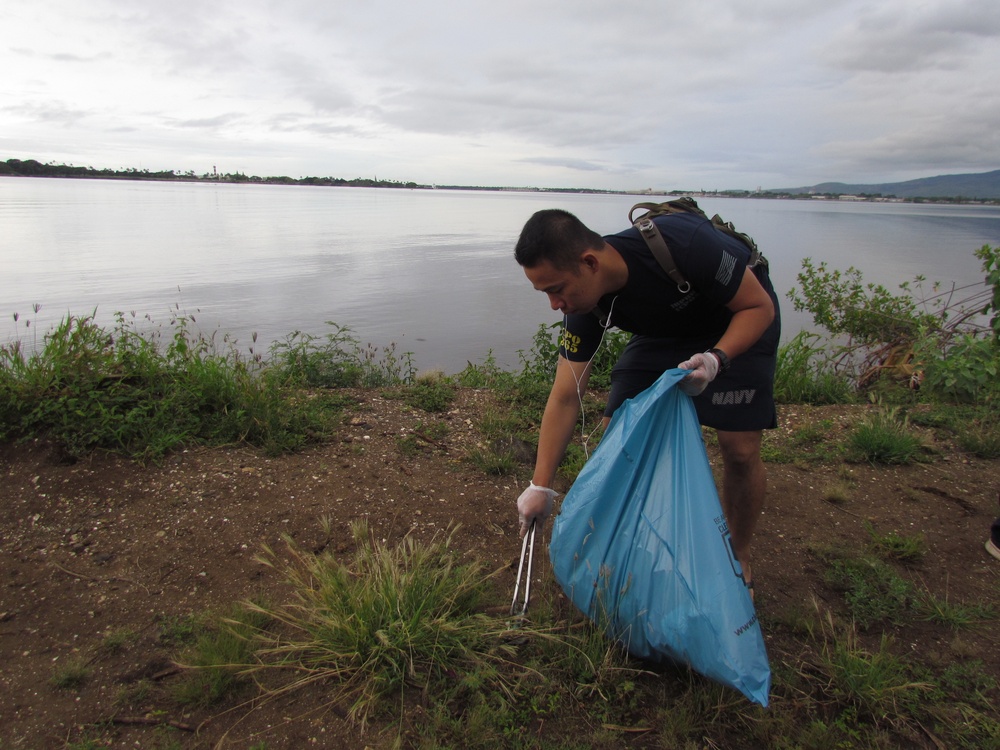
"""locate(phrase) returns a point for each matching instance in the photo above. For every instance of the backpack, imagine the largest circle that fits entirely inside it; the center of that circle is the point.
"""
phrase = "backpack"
(658, 246)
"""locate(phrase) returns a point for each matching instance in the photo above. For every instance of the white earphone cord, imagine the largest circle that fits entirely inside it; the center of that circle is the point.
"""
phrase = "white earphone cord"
(605, 324)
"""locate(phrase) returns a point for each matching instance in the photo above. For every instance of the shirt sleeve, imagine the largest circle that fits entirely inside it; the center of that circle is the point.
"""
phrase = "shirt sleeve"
(580, 337)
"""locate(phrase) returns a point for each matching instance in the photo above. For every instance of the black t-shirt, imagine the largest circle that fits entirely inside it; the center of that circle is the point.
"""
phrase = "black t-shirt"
(650, 302)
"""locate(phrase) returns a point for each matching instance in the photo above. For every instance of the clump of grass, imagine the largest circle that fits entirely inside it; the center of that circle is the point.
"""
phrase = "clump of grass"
(432, 392)
(496, 461)
(837, 492)
(876, 687)
(423, 437)
(71, 675)
(955, 615)
(504, 446)
(175, 630)
(335, 360)
(874, 593)
(806, 444)
(391, 618)
(802, 375)
(215, 661)
(975, 428)
(885, 437)
(981, 437)
(486, 374)
(893, 546)
(116, 641)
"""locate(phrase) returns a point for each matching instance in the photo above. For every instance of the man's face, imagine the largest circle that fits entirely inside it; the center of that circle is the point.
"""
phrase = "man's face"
(572, 291)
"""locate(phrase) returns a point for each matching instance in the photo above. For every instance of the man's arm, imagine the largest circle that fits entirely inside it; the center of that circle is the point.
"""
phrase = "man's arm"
(559, 418)
(558, 422)
(753, 312)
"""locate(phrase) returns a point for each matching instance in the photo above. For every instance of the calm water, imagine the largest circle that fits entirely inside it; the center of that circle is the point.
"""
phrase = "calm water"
(431, 271)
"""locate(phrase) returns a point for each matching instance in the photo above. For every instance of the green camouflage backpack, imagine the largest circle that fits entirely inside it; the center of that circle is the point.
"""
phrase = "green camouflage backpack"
(658, 246)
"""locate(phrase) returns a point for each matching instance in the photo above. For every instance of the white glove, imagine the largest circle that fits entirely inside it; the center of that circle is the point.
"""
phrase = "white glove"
(704, 367)
(534, 504)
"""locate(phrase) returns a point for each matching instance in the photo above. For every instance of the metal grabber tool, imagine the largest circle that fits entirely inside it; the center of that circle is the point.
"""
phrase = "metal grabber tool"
(527, 550)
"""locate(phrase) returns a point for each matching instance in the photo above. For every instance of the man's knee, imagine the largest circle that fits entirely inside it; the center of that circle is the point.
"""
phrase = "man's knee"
(740, 450)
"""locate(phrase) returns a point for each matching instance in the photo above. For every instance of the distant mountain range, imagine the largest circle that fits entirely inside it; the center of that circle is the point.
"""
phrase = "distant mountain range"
(983, 186)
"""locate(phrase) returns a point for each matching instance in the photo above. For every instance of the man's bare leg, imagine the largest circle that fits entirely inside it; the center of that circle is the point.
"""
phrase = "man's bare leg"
(744, 486)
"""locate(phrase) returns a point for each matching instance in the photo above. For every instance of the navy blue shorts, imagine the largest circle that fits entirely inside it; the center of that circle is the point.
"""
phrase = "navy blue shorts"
(738, 400)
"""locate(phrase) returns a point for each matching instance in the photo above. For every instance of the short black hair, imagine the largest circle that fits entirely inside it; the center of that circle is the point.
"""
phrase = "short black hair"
(556, 236)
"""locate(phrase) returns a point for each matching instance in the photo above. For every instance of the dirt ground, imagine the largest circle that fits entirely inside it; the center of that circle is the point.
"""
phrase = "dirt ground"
(105, 546)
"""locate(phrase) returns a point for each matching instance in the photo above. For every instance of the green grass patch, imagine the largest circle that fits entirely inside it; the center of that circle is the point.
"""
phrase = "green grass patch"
(70, 675)
(885, 437)
(432, 392)
(389, 618)
(214, 663)
(896, 547)
(803, 374)
(810, 443)
(397, 638)
(955, 615)
(873, 591)
(873, 687)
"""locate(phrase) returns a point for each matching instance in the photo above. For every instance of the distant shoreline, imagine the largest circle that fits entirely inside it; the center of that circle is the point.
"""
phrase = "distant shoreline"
(33, 168)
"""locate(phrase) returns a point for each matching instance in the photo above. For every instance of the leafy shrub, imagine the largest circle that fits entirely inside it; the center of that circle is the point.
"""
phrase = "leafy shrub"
(929, 337)
(967, 371)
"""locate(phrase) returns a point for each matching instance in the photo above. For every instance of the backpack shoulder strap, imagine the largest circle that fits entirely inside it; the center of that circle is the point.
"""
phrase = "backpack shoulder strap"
(654, 240)
(658, 247)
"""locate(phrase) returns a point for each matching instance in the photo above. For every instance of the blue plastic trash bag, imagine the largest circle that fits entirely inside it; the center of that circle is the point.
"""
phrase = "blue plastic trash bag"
(642, 548)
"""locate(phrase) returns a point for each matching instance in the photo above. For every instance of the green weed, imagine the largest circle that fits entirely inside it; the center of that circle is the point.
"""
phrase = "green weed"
(876, 685)
(71, 675)
(893, 546)
(213, 663)
(432, 393)
(335, 360)
(116, 641)
(955, 615)
(393, 617)
(497, 461)
(838, 492)
(87, 388)
(803, 376)
(885, 437)
(873, 592)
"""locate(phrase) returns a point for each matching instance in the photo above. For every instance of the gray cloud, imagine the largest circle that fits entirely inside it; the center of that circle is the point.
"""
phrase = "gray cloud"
(52, 112)
(578, 165)
(523, 92)
(907, 37)
(210, 123)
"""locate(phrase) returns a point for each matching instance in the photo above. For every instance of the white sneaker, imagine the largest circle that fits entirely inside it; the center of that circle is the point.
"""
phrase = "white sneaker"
(992, 549)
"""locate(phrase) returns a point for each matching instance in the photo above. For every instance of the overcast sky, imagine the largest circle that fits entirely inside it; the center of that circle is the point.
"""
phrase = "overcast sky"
(612, 94)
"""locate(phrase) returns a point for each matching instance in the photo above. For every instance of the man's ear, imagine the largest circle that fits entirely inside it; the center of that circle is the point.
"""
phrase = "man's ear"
(590, 260)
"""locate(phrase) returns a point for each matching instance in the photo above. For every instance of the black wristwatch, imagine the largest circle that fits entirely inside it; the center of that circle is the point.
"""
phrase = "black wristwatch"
(723, 358)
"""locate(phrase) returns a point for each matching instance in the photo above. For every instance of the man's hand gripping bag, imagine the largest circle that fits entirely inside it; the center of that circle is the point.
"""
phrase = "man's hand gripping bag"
(642, 548)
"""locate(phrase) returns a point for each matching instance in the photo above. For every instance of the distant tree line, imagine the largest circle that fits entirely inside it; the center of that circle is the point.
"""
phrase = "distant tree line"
(33, 168)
